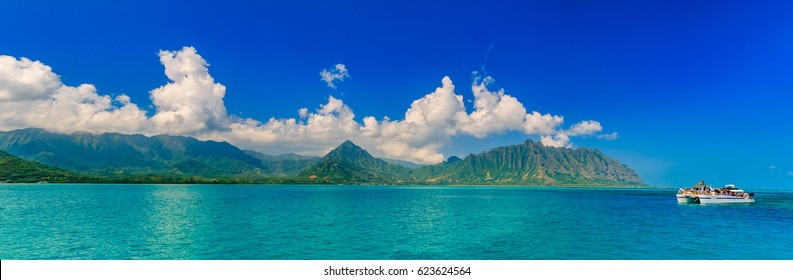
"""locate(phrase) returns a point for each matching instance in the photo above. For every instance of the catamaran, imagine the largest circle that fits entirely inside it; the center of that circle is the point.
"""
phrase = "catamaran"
(704, 194)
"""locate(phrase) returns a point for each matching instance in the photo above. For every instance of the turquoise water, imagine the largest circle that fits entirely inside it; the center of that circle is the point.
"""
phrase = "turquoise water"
(357, 222)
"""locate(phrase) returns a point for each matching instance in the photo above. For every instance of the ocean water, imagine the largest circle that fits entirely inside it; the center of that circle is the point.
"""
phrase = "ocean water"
(367, 222)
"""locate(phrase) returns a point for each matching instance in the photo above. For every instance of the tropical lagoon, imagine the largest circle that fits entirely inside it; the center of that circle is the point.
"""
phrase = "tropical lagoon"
(274, 222)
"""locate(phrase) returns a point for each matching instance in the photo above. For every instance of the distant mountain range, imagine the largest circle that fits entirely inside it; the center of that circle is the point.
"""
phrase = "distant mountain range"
(285, 164)
(113, 155)
(119, 157)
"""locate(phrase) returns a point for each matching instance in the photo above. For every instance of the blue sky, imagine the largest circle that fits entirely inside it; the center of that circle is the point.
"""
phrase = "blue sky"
(694, 90)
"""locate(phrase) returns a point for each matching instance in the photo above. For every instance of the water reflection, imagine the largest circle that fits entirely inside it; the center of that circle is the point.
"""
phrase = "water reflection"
(177, 219)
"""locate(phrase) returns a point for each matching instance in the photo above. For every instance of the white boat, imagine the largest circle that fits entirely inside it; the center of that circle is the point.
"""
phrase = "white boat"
(728, 194)
(704, 194)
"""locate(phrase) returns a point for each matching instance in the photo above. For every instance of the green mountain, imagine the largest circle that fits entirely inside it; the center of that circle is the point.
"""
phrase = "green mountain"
(16, 170)
(530, 163)
(113, 157)
(283, 165)
(348, 163)
(118, 155)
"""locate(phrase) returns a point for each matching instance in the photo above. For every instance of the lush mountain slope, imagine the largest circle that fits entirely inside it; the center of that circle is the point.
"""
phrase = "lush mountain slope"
(348, 163)
(285, 164)
(530, 163)
(16, 170)
(113, 154)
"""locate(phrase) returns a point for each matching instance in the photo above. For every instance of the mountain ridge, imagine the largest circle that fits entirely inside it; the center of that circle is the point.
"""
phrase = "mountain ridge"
(115, 154)
(531, 163)
(119, 156)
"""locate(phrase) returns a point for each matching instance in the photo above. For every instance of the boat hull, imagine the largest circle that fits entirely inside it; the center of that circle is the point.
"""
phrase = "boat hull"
(718, 199)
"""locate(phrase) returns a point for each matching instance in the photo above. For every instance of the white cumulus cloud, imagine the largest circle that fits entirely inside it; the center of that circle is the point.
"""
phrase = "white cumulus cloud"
(31, 95)
(338, 73)
(24, 79)
(539, 124)
(584, 128)
(494, 112)
(558, 140)
(192, 103)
